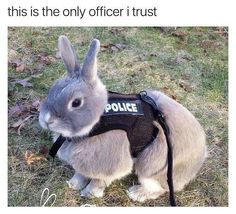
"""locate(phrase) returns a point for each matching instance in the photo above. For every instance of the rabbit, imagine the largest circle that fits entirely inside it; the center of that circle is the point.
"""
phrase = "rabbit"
(75, 104)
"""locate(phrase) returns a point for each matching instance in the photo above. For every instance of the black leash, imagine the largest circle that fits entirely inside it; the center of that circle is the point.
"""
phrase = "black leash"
(166, 130)
(163, 124)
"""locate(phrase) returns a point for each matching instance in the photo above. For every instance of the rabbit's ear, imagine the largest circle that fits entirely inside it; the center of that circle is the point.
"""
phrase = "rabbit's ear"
(89, 70)
(68, 55)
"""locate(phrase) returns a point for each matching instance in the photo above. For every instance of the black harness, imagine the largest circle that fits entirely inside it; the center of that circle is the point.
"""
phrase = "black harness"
(134, 114)
(131, 114)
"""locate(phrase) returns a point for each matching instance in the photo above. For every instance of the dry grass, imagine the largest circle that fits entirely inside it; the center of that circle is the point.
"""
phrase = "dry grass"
(189, 64)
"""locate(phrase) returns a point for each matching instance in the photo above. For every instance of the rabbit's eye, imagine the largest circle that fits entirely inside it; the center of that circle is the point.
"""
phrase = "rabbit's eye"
(76, 103)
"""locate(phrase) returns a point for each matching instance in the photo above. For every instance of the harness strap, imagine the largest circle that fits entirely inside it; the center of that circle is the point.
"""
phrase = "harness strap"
(162, 122)
(56, 146)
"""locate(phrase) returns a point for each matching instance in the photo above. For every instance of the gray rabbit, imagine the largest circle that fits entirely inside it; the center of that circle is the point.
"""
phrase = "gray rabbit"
(74, 106)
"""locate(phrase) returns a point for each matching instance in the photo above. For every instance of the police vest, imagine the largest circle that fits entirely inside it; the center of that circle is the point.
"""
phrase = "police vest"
(131, 114)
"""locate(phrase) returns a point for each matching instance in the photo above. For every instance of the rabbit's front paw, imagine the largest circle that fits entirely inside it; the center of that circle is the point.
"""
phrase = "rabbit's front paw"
(91, 193)
(77, 182)
(93, 189)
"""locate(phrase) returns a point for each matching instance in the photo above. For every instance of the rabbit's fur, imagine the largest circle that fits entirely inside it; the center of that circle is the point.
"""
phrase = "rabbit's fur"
(101, 159)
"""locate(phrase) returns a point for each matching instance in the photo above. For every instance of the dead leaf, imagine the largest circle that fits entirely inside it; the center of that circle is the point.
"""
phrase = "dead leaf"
(49, 59)
(105, 46)
(186, 86)
(20, 68)
(165, 90)
(44, 150)
(25, 108)
(36, 104)
(173, 97)
(15, 63)
(207, 44)
(180, 34)
(31, 158)
(113, 47)
(45, 58)
(120, 46)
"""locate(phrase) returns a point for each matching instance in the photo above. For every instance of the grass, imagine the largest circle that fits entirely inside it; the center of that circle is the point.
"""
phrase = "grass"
(188, 64)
